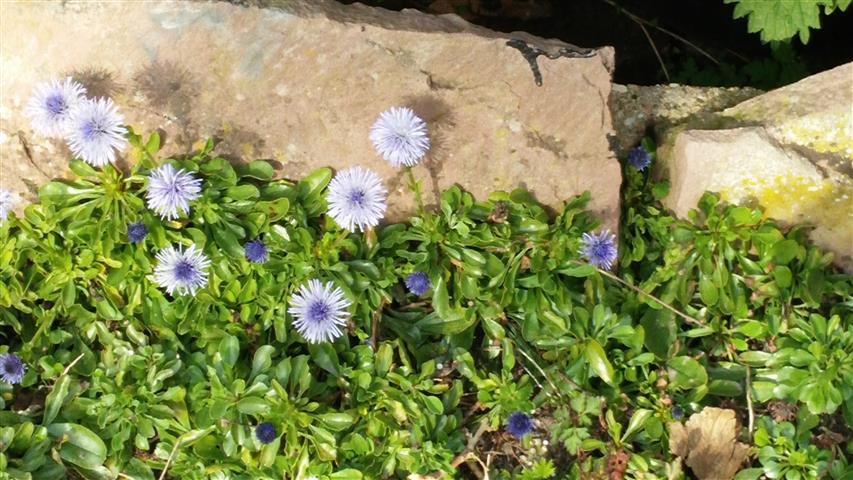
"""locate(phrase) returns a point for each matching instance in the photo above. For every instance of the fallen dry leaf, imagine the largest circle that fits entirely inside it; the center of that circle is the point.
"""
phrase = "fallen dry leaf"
(707, 443)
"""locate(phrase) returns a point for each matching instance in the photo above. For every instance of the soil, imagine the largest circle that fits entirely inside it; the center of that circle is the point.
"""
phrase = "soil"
(707, 24)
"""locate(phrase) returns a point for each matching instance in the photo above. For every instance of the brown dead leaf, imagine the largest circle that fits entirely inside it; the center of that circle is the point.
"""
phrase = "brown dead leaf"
(708, 445)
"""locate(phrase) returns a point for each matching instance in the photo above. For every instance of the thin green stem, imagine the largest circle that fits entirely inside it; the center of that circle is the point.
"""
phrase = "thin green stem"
(416, 189)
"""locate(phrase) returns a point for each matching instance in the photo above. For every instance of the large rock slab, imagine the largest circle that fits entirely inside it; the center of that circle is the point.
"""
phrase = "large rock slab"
(791, 151)
(303, 83)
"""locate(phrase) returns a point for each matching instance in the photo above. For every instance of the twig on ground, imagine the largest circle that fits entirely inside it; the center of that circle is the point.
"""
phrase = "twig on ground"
(665, 305)
(749, 400)
(671, 34)
(71, 365)
(654, 48)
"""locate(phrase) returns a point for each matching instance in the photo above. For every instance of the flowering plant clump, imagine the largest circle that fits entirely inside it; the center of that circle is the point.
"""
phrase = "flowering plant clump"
(193, 319)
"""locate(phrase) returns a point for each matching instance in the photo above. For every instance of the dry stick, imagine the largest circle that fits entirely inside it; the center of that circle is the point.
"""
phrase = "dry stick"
(545, 375)
(469, 449)
(665, 305)
(71, 365)
(169, 460)
(749, 400)
(654, 48)
(674, 35)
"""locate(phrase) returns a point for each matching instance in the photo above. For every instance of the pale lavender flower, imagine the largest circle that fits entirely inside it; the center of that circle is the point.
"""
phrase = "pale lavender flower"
(12, 369)
(599, 249)
(319, 311)
(356, 199)
(400, 136)
(170, 190)
(95, 131)
(184, 271)
(6, 203)
(49, 108)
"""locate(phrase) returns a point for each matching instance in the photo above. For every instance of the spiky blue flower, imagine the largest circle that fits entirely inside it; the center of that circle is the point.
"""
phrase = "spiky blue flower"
(518, 425)
(319, 311)
(418, 283)
(639, 158)
(6, 203)
(356, 199)
(95, 132)
(136, 232)
(265, 432)
(599, 249)
(184, 271)
(49, 108)
(12, 369)
(256, 251)
(170, 190)
(400, 136)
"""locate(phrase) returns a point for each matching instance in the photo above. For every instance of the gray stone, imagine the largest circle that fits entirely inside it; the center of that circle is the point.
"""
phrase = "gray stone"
(302, 84)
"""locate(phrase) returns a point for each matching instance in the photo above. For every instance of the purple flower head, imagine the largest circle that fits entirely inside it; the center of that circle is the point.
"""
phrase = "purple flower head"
(677, 413)
(184, 271)
(265, 433)
(599, 249)
(256, 251)
(639, 158)
(356, 199)
(95, 131)
(418, 283)
(6, 203)
(319, 311)
(12, 369)
(400, 137)
(136, 232)
(49, 109)
(170, 190)
(518, 425)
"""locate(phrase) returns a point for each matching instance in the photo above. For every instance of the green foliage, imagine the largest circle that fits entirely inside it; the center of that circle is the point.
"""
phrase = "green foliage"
(127, 381)
(782, 20)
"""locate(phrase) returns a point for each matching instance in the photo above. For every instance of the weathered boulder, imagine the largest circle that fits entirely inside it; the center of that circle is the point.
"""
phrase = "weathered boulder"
(302, 83)
(664, 110)
(791, 151)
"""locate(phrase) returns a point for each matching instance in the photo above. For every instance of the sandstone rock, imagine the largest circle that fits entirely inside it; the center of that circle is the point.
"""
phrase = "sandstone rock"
(303, 83)
(795, 158)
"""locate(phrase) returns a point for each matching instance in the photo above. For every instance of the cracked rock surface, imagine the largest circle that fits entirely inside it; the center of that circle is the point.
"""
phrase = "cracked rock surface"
(300, 83)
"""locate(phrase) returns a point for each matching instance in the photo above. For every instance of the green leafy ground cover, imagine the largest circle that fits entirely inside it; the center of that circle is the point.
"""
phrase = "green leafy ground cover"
(123, 381)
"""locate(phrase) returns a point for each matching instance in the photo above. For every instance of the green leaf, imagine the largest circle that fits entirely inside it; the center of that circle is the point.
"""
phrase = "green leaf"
(780, 20)
(229, 348)
(686, 373)
(337, 421)
(708, 291)
(259, 169)
(785, 251)
(313, 183)
(660, 330)
(598, 362)
(638, 420)
(228, 242)
(262, 362)
(325, 357)
(253, 406)
(55, 399)
(243, 192)
(80, 445)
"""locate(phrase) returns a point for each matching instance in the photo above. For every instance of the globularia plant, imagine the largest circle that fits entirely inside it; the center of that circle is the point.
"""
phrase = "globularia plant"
(190, 318)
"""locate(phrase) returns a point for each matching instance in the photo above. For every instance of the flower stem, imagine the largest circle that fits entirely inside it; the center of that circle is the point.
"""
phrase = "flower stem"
(416, 189)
